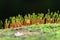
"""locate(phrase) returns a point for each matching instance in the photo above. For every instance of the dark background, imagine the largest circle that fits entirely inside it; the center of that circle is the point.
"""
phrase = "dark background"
(13, 7)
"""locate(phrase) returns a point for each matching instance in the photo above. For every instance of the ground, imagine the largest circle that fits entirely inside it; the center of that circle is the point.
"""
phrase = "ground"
(33, 32)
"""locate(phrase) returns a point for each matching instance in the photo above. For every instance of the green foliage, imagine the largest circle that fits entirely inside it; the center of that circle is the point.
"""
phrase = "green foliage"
(25, 17)
(29, 16)
(6, 21)
(47, 16)
(45, 33)
(40, 15)
(48, 12)
(13, 19)
(34, 17)
(55, 15)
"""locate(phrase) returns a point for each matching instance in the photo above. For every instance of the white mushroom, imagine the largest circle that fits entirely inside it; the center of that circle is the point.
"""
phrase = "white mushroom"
(18, 34)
